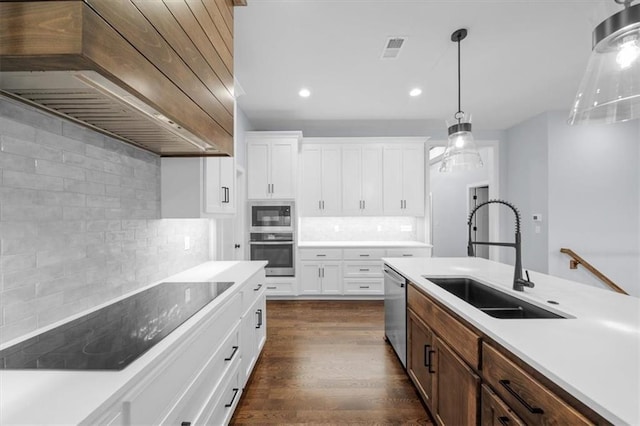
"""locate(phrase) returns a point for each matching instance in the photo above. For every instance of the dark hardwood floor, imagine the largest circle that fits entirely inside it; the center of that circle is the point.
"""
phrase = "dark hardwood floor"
(326, 362)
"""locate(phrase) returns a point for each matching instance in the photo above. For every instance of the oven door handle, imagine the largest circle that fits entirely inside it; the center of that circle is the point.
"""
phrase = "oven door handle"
(271, 243)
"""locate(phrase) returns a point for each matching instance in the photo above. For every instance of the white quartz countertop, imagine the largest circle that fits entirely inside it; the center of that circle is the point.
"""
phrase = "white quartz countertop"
(64, 397)
(594, 354)
(347, 244)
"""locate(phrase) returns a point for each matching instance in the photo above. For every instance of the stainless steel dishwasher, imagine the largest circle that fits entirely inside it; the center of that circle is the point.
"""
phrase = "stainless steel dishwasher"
(395, 312)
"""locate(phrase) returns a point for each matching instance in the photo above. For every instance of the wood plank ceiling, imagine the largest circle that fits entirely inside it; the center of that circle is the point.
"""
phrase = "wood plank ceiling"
(175, 56)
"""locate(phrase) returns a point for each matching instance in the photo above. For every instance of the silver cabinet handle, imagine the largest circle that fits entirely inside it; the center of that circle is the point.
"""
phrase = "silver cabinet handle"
(364, 286)
(364, 269)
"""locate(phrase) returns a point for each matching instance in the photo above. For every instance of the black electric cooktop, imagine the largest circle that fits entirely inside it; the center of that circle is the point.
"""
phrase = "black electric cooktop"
(114, 336)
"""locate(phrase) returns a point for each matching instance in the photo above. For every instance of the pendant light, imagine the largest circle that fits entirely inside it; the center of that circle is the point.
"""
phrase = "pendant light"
(461, 152)
(610, 89)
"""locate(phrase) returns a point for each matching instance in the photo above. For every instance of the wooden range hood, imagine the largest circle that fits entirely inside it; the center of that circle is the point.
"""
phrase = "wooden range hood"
(157, 74)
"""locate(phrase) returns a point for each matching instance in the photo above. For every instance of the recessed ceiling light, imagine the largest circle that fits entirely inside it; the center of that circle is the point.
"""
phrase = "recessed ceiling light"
(415, 92)
(305, 93)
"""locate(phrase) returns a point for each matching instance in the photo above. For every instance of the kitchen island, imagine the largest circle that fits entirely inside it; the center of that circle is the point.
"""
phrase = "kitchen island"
(593, 354)
(189, 375)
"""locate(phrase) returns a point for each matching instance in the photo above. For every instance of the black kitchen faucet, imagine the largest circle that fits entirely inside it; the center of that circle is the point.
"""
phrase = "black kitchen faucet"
(519, 283)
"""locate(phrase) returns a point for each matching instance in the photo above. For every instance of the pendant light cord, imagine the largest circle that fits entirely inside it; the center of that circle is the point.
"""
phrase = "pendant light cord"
(459, 95)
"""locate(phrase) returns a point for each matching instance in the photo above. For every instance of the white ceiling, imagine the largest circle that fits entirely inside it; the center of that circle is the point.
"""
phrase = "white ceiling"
(521, 58)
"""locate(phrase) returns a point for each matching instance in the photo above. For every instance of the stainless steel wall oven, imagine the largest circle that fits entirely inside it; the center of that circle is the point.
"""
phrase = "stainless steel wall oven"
(272, 236)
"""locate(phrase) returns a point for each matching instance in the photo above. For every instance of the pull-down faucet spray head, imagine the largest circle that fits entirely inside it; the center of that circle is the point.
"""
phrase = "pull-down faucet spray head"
(518, 282)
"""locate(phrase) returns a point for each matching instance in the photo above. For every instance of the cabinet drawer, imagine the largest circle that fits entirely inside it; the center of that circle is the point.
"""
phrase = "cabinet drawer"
(529, 399)
(362, 269)
(464, 341)
(224, 402)
(409, 252)
(363, 286)
(204, 387)
(252, 289)
(363, 254)
(320, 254)
(150, 400)
(495, 412)
(281, 288)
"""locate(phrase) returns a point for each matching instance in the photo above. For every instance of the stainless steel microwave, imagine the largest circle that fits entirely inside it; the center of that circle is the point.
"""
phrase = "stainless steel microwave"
(271, 216)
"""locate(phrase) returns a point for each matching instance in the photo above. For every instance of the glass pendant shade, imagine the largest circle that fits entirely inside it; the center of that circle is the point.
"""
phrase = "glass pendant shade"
(461, 152)
(610, 89)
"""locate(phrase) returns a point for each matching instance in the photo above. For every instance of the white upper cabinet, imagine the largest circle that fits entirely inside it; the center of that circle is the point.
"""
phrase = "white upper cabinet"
(197, 187)
(404, 179)
(220, 183)
(272, 164)
(362, 179)
(320, 183)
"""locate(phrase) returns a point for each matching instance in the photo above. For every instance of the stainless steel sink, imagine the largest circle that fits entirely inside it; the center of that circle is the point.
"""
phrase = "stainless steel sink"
(490, 301)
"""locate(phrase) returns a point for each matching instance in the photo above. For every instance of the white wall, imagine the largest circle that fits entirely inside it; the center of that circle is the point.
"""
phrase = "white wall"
(594, 200)
(588, 178)
(527, 172)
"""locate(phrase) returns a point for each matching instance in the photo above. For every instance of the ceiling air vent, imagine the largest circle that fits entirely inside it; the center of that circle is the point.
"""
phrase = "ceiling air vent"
(392, 47)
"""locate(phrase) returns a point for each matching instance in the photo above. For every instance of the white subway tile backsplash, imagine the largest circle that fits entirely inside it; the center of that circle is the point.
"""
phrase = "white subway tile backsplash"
(101, 201)
(29, 149)
(104, 225)
(14, 129)
(98, 176)
(103, 154)
(82, 187)
(80, 133)
(16, 229)
(17, 262)
(82, 213)
(17, 162)
(51, 168)
(118, 169)
(12, 212)
(32, 275)
(361, 228)
(60, 142)
(82, 161)
(50, 257)
(18, 295)
(30, 116)
(31, 181)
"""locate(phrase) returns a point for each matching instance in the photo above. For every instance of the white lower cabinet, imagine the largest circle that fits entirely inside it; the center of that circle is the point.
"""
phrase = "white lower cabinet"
(254, 326)
(348, 271)
(200, 379)
(320, 278)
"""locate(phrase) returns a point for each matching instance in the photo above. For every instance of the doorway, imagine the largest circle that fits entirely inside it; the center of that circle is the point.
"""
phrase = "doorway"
(480, 224)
